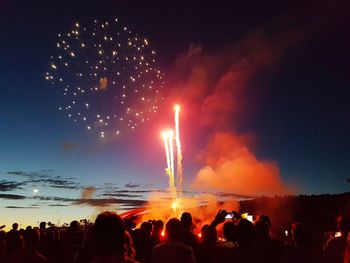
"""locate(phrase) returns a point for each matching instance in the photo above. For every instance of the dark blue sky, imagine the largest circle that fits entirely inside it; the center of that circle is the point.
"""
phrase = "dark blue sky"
(297, 108)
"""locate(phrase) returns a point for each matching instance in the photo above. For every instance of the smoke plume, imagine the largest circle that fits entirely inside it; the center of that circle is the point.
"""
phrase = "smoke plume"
(216, 86)
(88, 192)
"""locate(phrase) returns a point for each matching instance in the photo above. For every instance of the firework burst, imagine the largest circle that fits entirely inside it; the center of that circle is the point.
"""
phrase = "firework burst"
(106, 77)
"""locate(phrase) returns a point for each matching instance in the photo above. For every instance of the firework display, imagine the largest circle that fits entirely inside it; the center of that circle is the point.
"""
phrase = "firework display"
(106, 76)
(169, 138)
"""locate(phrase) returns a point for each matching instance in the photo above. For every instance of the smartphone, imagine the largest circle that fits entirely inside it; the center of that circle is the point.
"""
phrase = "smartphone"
(230, 216)
(286, 233)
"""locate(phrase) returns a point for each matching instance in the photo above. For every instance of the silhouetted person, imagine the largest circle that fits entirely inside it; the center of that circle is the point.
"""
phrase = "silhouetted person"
(31, 254)
(208, 250)
(266, 219)
(157, 237)
(2, 245)
(335, 247)
(43, 244)
(187, 236)
(266, 249)
(14, 227)
(173, 250)
(229, 231)
(110, 239)
(14, 246)
(72, 241)
(142, 243)
(303, 249)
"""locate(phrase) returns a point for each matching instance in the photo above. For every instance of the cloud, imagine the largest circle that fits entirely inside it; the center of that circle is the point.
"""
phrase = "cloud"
(46, 178)
(9, 186)
(110, 201)
(57, 205)
(39, 174)
(12, 196)
(235, 196)
(21, 207)
(131, 185)
(53, 198)
(122, 195)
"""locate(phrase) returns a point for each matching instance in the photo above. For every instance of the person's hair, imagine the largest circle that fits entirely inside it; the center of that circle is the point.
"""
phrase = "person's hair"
(245, 232)
(158, 226)
(147, 227)
(261, 229)
(266, 219)
(42, 225)
(173, 229)
(186, 219)
(109, 234)
(74, 225)
(14, 226)
(229, 231)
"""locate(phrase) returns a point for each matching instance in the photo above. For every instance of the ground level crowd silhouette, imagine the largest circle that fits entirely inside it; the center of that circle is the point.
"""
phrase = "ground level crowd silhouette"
(112, 240)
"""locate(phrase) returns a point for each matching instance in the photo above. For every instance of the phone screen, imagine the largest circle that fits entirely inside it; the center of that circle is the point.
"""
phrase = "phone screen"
(229, 216)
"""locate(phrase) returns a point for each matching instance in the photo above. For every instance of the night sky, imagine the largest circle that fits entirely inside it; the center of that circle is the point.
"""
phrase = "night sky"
(264, 90)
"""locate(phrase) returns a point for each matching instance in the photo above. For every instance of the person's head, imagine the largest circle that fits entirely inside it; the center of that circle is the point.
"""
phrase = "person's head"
(109, 234)
(209, 235)
(173, 229)
(261, 230)
(229, 231)
(244, 232)
(343, 223)
(42, 225)
(147, 227)
(266, 219)
(14, 242)
(186, 220)
(14, 226)
(74, 226)
(158, 226)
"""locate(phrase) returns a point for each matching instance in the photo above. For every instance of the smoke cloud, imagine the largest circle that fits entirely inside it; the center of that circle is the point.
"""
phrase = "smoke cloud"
(216, 86)
(232, 167)
(88, 192)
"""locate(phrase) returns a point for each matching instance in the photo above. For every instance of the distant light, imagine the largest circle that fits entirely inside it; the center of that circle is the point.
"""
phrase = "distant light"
(35, 191)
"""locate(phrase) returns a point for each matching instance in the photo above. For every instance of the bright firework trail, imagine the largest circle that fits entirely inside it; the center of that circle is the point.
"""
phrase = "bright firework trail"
(166, 147)
(168, 137)
(171, 150)
(178, 149)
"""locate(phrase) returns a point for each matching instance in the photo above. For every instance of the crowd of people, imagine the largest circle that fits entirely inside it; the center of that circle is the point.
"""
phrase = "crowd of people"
(110, 239)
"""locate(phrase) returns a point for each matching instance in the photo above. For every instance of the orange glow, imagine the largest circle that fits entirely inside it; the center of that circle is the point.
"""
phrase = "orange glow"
(200, 235)
(163, 233)
(231, 166)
